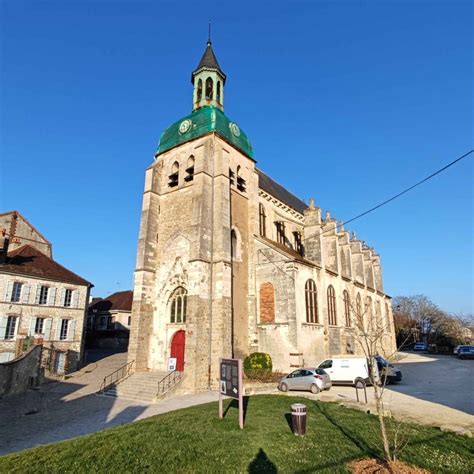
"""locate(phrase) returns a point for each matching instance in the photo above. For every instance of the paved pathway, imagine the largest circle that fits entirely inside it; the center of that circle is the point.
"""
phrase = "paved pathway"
(64, 410)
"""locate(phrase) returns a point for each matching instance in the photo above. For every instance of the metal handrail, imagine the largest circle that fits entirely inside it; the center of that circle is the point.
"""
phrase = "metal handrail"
(168, 382)
(119, 374)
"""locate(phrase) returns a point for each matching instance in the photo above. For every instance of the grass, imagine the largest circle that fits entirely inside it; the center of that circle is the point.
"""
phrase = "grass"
(195, 440)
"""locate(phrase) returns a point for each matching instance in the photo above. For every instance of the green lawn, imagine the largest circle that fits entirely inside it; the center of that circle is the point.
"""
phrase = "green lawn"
(195, 440)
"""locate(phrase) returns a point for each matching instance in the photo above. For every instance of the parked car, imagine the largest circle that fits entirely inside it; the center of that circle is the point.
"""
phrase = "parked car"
(456, 349)
(466, 352)
(386, 369)
(314, 380)
(420, 346)
(349, 370)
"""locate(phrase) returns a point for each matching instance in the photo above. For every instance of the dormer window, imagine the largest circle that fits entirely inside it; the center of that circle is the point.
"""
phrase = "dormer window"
(173, 178)
(190, 169)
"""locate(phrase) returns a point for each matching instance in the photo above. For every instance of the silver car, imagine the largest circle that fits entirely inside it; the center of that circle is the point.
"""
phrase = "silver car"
(314, 380)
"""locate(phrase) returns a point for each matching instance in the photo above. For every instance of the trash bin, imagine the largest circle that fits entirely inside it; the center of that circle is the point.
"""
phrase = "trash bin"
(298, 419)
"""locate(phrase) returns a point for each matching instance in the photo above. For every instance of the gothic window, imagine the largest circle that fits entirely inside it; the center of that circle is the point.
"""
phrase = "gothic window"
(267, 303)
(332, 317)
(347, 308)
(190, 169)
(280, 230)
(199, 90)
(209, 88)
(387, 317)
(359, 315)
(368, 311)
(311, 295)
(378, 315)
(298, 242)
(174, 176)
(177, 304)
(233, 244)
(218, 94)
(263, 217)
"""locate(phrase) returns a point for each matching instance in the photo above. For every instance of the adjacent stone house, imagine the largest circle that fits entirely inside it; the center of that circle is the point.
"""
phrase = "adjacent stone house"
(109, 320)
(40, 300)
(230, 262)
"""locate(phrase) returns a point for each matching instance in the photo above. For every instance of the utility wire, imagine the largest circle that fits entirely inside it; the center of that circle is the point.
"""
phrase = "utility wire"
(404, 191)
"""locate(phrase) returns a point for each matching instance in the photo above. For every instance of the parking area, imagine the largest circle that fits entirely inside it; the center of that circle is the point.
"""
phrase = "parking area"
(435, 390)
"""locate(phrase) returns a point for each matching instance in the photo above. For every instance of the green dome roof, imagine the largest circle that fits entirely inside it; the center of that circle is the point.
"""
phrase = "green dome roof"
(199, 123)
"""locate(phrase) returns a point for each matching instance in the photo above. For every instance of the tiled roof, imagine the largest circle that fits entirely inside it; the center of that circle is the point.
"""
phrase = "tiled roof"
(119, 301)
(209, 61)
(270, 186)
(27, 260)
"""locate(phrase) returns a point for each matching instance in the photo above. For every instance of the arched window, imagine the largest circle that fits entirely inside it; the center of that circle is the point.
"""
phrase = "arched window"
(332, 317)
(359, 315)
(387, 318)
(241, 184)
(311, 294)
(233, 244)
(177, 305)
(174, 176)
(263, 217)
(347, 308)
(378, 315)
(368, 312)
(190, 169)
(218, 92)
(199, 90)
(209, 88)
(267, 303)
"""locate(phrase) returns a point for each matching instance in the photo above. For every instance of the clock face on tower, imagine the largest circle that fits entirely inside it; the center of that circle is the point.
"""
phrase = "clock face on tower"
(234, 129)
(184, 126)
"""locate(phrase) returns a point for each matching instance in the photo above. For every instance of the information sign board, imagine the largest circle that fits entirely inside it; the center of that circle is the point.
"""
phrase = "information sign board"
(230, 385)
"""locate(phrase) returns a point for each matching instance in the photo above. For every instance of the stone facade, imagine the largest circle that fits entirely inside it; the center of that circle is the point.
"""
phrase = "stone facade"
(243, 249)
(41, 302)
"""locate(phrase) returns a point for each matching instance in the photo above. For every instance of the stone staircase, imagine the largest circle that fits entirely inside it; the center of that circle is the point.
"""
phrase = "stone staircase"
(139, 387)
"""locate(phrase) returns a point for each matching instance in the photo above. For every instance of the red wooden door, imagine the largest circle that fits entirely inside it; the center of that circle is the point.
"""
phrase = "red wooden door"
(177, 349)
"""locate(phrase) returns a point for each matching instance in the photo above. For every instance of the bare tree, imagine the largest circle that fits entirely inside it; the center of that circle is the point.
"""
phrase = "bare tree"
(372, 334)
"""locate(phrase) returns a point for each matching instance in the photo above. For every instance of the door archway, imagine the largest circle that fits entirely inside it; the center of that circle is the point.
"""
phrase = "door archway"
(177, 349)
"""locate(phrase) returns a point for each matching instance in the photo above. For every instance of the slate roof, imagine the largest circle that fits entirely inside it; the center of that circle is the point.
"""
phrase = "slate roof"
(208, 61)
(27, 260)
(270, 186)
(119, 301)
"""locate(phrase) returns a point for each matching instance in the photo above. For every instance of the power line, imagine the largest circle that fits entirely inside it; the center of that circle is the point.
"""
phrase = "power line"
(404, 191)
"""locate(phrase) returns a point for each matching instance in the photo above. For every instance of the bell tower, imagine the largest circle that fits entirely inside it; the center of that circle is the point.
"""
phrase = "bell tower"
(208, 80)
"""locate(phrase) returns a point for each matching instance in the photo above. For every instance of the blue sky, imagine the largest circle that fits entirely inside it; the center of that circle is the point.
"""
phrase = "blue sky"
(345, 101)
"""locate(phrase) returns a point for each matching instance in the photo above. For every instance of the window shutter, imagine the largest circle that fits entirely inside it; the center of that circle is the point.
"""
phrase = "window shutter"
(25, 294)
(3, 326)
(75, 299)
(71, 330)
(38, 292)
(62, 296)
(8, 293)
(32, 326)
(47, 329)
(58, 329)
(52, 296)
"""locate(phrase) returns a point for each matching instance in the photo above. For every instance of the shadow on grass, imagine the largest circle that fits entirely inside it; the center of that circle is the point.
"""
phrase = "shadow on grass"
(235, 404)
(261, 463)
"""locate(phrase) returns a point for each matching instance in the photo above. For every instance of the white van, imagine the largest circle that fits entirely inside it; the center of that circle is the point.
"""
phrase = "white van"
(346, 370)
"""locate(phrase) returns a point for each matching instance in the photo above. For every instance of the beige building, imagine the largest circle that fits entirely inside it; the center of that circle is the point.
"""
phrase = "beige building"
(229, 262)
(40, 300)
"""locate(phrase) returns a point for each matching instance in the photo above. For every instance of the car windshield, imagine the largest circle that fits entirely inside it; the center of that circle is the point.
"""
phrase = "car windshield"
(381, 361)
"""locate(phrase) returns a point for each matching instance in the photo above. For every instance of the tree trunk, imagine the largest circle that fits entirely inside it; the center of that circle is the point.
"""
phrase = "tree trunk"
(383, 431)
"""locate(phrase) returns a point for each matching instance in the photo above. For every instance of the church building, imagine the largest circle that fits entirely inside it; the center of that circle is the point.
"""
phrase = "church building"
(229, 262)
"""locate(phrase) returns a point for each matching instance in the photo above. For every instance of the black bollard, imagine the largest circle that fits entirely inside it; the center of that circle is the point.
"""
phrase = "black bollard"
(298, 419)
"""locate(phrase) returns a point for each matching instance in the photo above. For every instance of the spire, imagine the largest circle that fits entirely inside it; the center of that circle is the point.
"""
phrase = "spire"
(208, 79)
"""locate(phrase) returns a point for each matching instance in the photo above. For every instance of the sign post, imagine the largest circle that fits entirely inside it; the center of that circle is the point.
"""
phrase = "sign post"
(230, 384)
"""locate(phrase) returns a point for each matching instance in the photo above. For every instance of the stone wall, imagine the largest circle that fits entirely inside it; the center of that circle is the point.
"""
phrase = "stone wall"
(20, 374)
